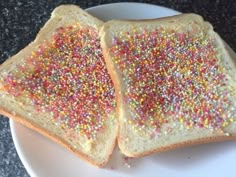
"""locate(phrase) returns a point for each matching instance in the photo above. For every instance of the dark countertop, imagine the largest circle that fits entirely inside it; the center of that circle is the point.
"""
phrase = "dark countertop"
(21, 20)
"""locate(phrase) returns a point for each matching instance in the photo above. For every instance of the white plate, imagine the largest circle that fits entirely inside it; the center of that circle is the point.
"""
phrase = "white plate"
(44, 158)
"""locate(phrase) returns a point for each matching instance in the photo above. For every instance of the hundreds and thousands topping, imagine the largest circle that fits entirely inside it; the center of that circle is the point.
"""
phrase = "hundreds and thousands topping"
(67, 77)
(173, 76)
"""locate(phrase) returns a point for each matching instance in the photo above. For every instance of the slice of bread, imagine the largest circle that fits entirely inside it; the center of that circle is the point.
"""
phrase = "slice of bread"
(174, 80)
(59, 86)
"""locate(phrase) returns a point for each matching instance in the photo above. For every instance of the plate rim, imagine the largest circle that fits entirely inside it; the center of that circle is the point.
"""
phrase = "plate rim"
(132, 3)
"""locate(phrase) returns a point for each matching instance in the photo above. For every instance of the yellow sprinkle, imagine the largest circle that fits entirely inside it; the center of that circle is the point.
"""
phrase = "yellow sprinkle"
(188, 127)
(206, 122)
(225, 124)
(33, 53)
(181, 119)
(231, 120)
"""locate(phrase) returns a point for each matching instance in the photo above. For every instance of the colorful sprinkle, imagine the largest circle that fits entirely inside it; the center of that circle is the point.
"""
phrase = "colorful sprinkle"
(67, 77)
(127, 161)
(173, 76)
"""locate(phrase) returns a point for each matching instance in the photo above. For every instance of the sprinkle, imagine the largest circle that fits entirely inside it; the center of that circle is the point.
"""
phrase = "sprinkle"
(127, 165)
(67, 77)
(126, 161)
(126, 158)
(173, 76)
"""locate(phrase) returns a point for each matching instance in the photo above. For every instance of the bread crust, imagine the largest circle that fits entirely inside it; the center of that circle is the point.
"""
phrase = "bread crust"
(179, 145)
(55, 138)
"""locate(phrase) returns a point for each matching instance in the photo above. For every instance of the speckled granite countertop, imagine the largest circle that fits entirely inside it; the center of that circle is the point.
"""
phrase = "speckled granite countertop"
(21, 20)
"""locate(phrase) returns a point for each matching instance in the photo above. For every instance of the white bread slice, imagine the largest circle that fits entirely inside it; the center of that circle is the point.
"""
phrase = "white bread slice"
(70, 95)
(166, 97)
